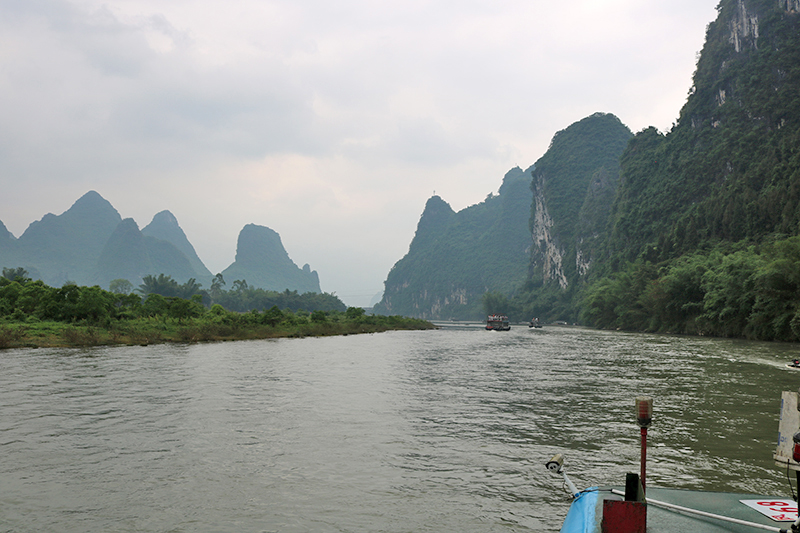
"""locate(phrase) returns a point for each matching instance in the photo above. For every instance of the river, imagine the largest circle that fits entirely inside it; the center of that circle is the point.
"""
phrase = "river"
(444, 430)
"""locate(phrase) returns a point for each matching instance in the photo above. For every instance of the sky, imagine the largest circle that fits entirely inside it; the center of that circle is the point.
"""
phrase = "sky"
(330, 122)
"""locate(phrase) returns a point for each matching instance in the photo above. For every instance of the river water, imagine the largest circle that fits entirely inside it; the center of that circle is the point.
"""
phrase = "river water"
(444, 430)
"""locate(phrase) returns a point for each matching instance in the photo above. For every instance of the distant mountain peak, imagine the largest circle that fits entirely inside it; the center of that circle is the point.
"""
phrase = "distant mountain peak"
(436, 211)
(5, 235)
(165, 227)
(165, 217)
(260, 244)
(90, 196)
(263, 262)
(91, 202)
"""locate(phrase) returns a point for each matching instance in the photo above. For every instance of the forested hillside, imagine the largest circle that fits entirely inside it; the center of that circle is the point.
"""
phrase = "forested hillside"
(455, 258)
(574, 184)
(703, 223)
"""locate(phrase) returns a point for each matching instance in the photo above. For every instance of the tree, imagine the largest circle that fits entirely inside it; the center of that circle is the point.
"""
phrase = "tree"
(354, 313)
(16, 274)
(189, 289)
(180, 308)
(495, 303)
(93, 304)
(120, 286)
(217, 284)
(163, 285)
(272, 316)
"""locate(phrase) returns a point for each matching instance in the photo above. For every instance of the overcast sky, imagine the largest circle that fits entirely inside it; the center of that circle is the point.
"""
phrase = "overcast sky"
(330, 122)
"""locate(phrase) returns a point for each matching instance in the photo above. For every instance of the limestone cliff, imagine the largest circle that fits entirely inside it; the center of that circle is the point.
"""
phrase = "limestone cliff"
(455, 258)
(262, 261)
(573, 186)
(165, 227)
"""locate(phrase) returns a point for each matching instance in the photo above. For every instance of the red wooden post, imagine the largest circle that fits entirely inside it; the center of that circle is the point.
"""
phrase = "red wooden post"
(644, 459)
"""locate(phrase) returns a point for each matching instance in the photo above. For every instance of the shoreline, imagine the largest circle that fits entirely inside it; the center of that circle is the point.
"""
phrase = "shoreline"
(143, 332)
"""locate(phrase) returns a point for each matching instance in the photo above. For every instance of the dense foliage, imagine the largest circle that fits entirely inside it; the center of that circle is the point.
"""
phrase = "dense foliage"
(729, 291)
(574, 184)
(730, 168)
(455, 257)
(32, 313)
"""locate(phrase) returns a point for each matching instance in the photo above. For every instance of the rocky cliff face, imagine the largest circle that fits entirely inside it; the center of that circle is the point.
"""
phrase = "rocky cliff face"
(455, 258)
(744, 28)
(728, 171)
(548, 255)
(573, 186)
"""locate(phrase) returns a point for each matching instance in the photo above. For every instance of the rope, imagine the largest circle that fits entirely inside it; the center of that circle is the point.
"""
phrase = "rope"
(706, 514)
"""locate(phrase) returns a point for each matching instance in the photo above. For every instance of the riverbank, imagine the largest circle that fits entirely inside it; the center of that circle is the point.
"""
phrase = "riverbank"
(155, 330)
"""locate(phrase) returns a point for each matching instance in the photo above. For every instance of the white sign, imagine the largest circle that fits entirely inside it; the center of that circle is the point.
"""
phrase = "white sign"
(777, 509)
(788, 426)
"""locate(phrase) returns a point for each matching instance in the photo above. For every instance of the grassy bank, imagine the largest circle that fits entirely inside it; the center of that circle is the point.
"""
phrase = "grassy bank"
(152, 330)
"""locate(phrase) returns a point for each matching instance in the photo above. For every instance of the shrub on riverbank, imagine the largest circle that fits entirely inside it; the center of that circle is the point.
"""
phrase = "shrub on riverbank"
(750, 291)
(34, 314)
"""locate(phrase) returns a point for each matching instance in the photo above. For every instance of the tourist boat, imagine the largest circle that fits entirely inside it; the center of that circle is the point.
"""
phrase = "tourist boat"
(638, 508)
(535, 323)
(497, 323)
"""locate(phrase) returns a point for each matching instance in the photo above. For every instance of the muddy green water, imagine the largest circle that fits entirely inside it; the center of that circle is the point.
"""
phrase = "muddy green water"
(442, 430)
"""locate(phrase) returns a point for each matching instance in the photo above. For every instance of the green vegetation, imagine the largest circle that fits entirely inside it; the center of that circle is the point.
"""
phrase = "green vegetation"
(35, 314)
(729, 170)
(574, 184)
(702, 234)
(730, 291)
(240, 298)
(456, 257)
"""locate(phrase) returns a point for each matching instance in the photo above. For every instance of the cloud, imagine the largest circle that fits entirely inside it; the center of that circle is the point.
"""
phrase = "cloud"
(323, 120)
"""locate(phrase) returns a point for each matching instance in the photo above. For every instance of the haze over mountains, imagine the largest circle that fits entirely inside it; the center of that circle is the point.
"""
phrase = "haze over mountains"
(693, 230)
(90, 244)
(670, 231)
(543, 227)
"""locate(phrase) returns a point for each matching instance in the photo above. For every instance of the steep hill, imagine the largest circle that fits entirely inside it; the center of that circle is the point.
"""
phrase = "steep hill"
(262, 261)
(165, 227)
(66, 247)
(574, 184)
(706, 225)
(730, 168)
(131, 255)
(573, 187)
(90, 244)
(455, 258)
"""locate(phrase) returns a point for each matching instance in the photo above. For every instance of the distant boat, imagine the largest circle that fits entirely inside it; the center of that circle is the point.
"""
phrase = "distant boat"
(534, 323)
(497, 323)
